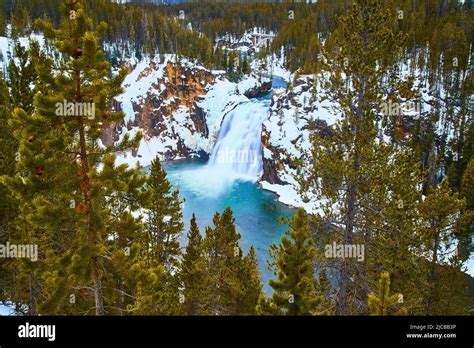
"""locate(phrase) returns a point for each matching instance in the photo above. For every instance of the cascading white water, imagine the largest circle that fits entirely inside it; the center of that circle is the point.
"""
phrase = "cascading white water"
(237, 153)
(238, 149)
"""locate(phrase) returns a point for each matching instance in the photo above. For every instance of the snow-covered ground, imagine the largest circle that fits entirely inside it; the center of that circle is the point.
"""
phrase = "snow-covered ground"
(6, 310)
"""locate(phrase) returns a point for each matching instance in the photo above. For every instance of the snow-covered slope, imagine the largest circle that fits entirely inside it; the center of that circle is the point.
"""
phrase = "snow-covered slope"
(179, 107)
(285, 133)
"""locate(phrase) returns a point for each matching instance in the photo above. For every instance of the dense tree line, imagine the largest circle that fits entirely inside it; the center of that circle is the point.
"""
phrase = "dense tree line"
(140, 28)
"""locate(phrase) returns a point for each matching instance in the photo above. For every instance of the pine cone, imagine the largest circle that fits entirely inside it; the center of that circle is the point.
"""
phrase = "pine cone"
(78, 52)
(84, 292)
(82, 208)
(39, 170)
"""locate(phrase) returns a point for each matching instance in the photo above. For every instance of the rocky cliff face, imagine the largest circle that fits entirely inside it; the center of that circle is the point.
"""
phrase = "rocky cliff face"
(168, 107)
(272, 165)
(256, 91)
(178, 107)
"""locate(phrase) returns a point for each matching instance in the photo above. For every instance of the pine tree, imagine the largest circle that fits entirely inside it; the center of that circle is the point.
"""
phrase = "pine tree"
(21, 288)
(441, 212)
(61, 192)
(3, 26)
(158, 285)
(7, 162)
(192, 271)
(22, 75)
(23, 185)
(356, 178)
(19, 21)
(294, 290)
(8, 205)
(222, 253)
(468, 185)
(249, 277)
(384, 303)
(325, 291)
(246, 66)
(150, 291)
(126, 191)
(227, 293)
(165, 222)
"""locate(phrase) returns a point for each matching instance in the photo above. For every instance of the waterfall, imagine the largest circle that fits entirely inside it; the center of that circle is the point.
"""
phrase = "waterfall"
(237, 152)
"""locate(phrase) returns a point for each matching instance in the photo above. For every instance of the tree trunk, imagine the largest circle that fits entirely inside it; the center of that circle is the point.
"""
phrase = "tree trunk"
(348, 231)
(85, 188)
(432, 276)
(33, 301)
(341, 305)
